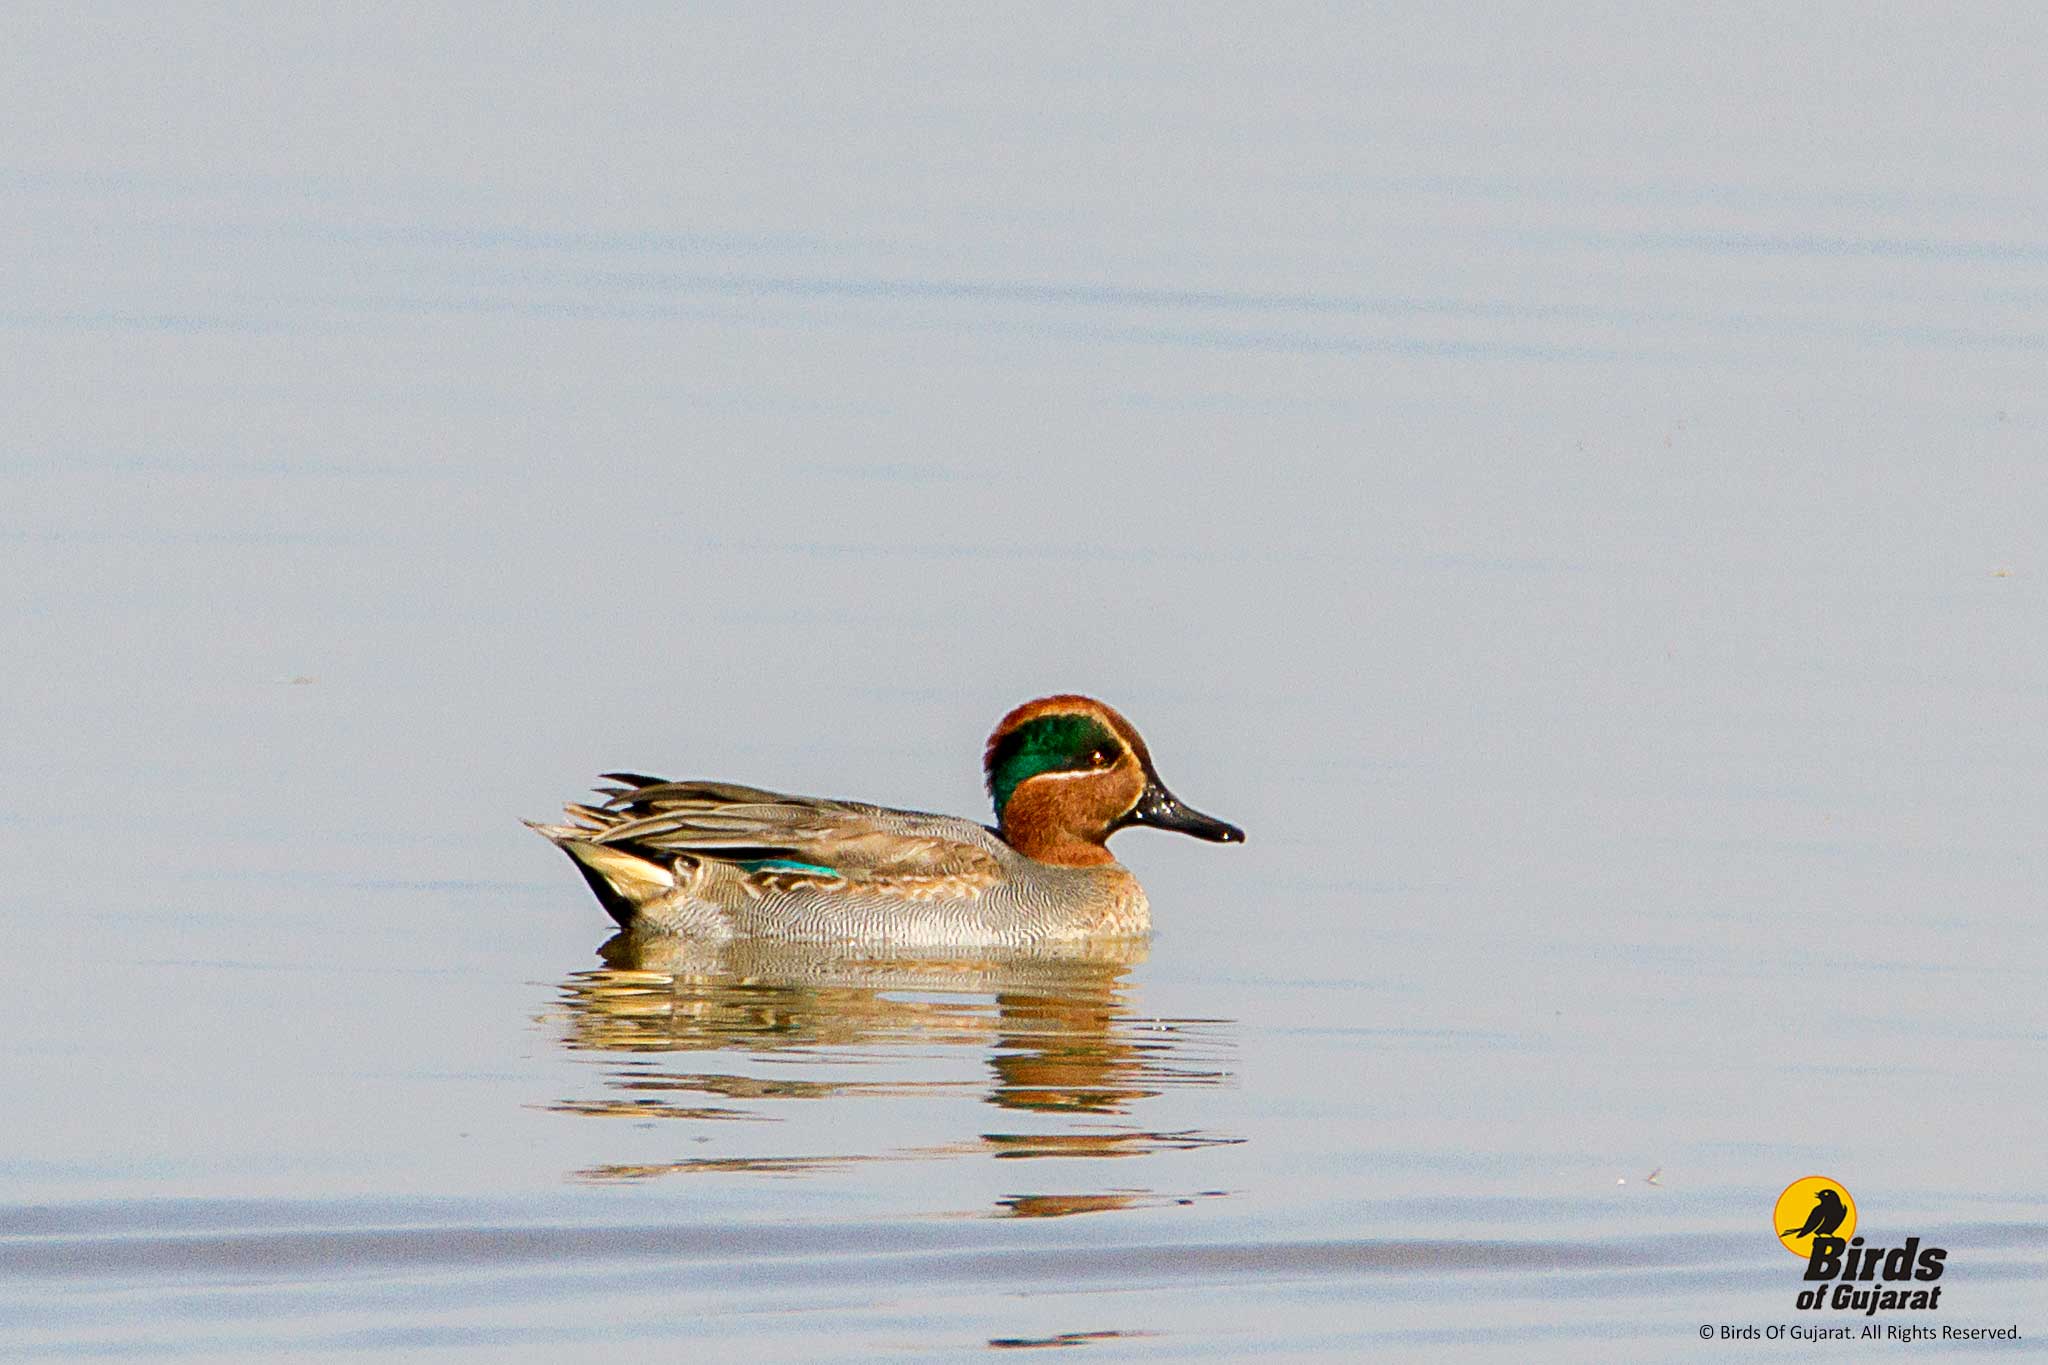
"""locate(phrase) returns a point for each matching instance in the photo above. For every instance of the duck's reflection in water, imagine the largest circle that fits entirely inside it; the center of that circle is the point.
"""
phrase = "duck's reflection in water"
(1055, 1027)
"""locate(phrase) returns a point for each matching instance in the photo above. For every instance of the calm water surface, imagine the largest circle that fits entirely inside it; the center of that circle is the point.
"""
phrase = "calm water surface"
(1570, 485)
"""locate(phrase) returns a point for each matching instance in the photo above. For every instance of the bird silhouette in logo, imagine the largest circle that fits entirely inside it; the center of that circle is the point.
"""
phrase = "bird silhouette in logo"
(1828, 1213)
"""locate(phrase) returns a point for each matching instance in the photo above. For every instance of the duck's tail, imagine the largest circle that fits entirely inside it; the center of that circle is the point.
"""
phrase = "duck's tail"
(622, 880)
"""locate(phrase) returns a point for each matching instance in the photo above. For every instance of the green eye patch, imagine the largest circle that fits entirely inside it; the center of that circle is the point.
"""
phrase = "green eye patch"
(1049, 744)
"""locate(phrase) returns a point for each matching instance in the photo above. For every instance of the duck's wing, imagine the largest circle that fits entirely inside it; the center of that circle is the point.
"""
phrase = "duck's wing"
(779, 838)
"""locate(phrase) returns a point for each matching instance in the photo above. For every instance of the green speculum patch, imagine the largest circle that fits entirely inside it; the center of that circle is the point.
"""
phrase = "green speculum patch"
(785, 865)
(1049, 744)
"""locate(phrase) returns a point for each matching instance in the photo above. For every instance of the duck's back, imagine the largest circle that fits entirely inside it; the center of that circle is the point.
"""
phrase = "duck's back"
(716, 859)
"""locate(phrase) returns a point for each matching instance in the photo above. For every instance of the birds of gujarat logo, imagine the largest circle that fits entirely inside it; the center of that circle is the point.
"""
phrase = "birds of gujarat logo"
(1812, 1206)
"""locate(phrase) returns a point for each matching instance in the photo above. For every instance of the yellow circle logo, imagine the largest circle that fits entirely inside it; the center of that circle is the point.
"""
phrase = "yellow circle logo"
(1813, 1206)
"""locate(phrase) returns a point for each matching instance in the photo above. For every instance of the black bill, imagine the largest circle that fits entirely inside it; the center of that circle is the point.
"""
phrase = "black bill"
(1159, 808)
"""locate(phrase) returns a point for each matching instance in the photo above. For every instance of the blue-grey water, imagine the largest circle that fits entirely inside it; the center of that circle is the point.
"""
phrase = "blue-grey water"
(1569, 480)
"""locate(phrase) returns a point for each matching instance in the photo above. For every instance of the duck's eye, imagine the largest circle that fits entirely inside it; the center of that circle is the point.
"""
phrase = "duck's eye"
(1098, 758)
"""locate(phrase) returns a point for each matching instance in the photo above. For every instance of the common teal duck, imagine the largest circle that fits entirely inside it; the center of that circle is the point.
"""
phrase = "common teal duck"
(714, 860)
